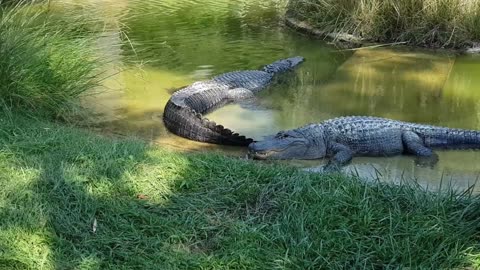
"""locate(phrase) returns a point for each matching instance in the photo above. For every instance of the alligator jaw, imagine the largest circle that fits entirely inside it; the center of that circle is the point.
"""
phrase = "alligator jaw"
(260, 155)
(266, 153)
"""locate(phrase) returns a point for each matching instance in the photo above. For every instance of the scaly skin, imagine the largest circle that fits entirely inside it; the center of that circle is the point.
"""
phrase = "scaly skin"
(343, 138)
(184, 110)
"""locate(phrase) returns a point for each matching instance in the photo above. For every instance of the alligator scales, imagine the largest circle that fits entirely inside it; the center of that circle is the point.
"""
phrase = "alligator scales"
(343, 138)
(183, 114)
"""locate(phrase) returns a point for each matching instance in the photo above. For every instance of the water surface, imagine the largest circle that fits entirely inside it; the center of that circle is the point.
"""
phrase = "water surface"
(167, 44)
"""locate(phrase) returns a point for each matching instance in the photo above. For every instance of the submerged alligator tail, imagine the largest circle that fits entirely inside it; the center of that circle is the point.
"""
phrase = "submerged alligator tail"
(183, 114)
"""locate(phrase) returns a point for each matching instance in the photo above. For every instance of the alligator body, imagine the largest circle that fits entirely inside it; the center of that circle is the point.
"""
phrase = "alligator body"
(343, 138)
(183, 114)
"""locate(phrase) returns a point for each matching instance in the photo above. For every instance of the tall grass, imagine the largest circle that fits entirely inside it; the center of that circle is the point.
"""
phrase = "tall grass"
(43, 67)
(432, 23)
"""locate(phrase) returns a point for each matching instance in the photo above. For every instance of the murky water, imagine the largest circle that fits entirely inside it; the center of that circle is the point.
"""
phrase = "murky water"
(163, 45)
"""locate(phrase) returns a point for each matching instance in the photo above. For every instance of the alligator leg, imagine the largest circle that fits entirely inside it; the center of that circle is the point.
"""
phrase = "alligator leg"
(342, 155)
(244, 97)
(414, 145)
(237, 94)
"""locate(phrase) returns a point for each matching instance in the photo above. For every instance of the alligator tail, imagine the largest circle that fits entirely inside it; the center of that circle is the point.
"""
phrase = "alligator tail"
(185, 122)
(446, 138)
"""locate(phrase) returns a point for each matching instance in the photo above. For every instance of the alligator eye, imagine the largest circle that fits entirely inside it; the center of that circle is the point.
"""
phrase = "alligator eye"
(282, 135)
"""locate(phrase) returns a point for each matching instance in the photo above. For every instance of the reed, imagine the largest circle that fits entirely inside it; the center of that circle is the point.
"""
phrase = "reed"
(429, 23)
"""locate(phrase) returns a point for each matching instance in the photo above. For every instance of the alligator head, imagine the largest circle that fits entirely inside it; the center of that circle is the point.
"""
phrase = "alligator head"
(291, 144)
(284, 65)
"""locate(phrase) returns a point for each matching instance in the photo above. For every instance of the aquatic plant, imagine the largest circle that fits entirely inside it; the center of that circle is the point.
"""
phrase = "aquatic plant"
(431, 23)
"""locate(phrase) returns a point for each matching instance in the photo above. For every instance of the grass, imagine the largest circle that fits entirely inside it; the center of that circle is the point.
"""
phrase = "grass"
(44, 66)
(74, 200)
(430, 23)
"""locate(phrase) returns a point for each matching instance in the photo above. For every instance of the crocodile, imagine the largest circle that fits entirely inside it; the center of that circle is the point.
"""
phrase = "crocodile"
(183, 113)
(340, 139)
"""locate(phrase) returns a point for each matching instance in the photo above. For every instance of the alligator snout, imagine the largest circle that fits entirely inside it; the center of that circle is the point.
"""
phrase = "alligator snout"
(251, 151)
(259, 150)
(297, 60)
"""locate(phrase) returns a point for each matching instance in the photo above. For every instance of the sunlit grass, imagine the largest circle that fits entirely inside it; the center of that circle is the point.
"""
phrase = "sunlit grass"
(160, 209)
(432, 23)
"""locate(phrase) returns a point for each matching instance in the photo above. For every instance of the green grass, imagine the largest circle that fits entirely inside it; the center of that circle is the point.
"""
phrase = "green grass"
(44, 64)
(430, 23)
(156, 209)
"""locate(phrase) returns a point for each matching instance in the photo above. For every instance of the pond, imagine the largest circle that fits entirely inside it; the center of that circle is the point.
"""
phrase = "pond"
(162, 45)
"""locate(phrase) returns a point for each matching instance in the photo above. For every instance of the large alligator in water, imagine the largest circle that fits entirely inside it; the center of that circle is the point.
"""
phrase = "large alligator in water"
(184, 110)
(343, 138)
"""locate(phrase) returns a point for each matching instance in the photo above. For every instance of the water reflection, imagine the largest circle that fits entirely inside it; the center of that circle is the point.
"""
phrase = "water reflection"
(164, 45)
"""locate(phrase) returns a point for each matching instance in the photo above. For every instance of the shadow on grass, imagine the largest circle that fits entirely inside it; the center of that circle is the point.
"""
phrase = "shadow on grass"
(60, 182)
(74, 200)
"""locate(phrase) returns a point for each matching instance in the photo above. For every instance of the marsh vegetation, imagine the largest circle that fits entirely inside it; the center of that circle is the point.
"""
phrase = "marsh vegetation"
(430, 23)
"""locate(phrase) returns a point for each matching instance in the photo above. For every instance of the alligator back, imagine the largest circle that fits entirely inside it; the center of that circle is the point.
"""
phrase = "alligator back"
(254, 80)
(362, 130)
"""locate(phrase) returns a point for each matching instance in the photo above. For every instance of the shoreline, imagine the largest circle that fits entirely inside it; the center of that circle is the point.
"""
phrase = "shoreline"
(349, 41)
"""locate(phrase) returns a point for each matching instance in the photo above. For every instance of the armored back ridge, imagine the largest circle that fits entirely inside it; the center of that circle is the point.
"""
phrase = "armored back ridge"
(183, 114)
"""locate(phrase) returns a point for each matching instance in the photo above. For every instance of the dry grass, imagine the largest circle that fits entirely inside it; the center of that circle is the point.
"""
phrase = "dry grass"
(430, 23)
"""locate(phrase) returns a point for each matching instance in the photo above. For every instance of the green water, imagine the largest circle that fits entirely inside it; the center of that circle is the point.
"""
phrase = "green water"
(162, 45)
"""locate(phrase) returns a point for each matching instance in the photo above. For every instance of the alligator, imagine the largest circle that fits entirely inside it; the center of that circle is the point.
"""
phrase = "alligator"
(342, 138)
(183, 114)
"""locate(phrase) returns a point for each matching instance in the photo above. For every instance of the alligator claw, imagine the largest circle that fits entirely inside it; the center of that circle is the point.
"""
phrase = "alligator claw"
(427, 162)
(331, 167)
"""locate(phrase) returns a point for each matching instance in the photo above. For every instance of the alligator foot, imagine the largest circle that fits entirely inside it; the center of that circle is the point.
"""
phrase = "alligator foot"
(332, 167)
(427, 162)
(250, 104)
